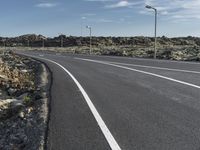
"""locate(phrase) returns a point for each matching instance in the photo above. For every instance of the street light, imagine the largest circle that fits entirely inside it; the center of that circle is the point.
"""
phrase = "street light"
(90, 28)
(150, 7)
(28, 42)
(61, 39)
(82, 23)
(43, 42)
(4, 42)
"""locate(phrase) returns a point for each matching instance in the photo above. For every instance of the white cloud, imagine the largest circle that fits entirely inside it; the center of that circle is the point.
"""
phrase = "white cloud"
(105, 21)
(164, 13)
(88, 14)
(99, 0)
(176, 9)
(119, 4)
(83, 18)
(46, 5)
(167, 9)
(122, 3)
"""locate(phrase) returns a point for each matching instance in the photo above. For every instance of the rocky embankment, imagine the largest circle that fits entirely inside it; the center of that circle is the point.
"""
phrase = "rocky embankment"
(23, 102)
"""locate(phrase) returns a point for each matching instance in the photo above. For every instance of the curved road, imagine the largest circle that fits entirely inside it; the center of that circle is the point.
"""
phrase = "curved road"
(145, 104)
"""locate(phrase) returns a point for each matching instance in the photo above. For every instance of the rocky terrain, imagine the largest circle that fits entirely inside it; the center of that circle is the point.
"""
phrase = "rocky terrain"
(23, 102)
(182, 48)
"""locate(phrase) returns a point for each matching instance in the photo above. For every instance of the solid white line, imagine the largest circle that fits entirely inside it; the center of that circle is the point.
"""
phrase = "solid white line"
(144, 72)
(109, 137)
(152, 67)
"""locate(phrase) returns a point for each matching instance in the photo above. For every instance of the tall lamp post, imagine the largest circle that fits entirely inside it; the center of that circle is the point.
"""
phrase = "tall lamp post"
(43, 42)
(4, 43)
(28, 43)
(82, 23)
(61, 42)
(155, 50)
(61, 39)
(90, 28)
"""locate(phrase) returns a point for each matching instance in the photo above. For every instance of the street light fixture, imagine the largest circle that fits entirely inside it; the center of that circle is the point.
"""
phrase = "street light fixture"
(90, 28)
(155, 50)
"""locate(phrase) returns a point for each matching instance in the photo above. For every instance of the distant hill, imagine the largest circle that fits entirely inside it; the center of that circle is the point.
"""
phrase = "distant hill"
(37, 41)
(181, 48)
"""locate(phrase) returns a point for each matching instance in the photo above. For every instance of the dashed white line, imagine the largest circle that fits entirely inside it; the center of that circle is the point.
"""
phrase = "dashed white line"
(144, 72)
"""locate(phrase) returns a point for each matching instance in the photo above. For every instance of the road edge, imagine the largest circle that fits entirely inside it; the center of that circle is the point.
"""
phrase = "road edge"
(46, 101)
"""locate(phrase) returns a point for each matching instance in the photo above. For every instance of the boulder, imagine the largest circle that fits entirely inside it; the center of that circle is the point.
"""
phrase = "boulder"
(9, 107)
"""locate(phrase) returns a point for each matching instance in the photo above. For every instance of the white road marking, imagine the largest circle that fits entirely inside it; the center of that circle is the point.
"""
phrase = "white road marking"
(157, 60)
(144, 72)
(109, 137)
(152, 67)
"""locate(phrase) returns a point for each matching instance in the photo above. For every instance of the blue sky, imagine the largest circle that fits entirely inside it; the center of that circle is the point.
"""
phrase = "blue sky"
(107, 17)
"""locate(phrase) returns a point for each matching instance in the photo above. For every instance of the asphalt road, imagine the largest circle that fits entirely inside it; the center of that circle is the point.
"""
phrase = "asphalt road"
(146, 104)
